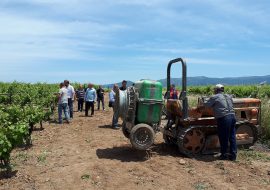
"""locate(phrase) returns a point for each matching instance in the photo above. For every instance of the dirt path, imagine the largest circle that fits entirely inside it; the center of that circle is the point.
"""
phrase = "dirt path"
(88, 154)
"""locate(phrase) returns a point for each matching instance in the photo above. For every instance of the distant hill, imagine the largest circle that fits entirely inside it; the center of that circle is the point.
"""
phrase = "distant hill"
(129, 83)
(202, 81)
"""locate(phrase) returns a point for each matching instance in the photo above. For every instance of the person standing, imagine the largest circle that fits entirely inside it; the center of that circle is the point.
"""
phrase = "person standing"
(100, 97)
(90, 99)
(124, 85)
(111, 104)
(222, 105)
(63, 103)
(71, 96)
(80, 93)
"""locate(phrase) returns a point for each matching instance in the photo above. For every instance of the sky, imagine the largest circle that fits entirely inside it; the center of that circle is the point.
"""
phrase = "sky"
(106, 41)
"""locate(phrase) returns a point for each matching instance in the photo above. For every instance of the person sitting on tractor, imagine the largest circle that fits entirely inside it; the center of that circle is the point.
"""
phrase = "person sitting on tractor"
(222, 105)
(173, 92)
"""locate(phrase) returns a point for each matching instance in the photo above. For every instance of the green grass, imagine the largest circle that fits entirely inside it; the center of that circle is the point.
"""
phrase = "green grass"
(22, 156)
(251, 155)
(266, 121)
(200, 186)
(42, 157)
(85, 177)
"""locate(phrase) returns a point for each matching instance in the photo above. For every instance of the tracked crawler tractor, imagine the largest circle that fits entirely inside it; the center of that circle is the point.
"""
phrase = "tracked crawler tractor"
(193, 130)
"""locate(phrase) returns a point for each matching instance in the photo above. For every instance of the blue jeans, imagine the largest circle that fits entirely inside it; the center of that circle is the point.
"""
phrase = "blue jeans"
(226, 134)
(63, 107)
(114, 121)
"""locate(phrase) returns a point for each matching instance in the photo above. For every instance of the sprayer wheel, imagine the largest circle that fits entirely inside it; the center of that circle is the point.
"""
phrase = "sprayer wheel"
(142, 136)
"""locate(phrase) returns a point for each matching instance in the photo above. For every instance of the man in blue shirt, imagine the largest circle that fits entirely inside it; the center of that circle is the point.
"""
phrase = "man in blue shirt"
(222, 105)
(90, 99)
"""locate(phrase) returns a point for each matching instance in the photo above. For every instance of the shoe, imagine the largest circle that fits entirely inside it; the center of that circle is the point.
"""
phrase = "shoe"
(232, 158)
(223, 157)
(116, 127)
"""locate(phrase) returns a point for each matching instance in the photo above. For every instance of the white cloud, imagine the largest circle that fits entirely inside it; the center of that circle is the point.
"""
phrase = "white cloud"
(30, 39)
(133, 34)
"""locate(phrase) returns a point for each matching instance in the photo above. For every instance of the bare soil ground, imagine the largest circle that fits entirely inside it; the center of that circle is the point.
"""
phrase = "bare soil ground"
(88, 154)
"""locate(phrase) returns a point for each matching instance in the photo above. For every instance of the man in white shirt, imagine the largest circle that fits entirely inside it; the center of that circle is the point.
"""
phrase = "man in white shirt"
(71, 95)
(62, 103)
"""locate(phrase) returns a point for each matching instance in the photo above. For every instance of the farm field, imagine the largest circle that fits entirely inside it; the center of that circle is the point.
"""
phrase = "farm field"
(156, 65)
(88, 154)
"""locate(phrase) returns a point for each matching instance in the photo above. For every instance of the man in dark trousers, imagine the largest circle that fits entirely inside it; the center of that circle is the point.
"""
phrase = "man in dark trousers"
(80, 93)
(100, 97)
(90, 99)
(71, 96)
(111, 103)
(222, 105)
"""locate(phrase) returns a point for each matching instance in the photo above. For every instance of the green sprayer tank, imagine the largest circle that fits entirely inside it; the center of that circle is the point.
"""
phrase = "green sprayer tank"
(149, 104)
(140, 108)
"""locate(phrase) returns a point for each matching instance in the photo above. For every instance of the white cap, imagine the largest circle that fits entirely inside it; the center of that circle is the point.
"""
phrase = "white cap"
(219, 86)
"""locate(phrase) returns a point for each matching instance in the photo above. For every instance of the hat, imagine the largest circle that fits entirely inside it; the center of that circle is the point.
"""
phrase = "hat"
(219, 87)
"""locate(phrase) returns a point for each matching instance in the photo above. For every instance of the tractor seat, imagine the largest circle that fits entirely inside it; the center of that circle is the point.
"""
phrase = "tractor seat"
(174, 107)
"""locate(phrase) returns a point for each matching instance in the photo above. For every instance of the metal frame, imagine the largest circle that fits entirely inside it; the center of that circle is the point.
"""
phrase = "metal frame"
(183, 96)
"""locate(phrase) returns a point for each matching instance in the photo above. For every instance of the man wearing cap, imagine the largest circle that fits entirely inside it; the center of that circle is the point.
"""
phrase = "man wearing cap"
(222, 105)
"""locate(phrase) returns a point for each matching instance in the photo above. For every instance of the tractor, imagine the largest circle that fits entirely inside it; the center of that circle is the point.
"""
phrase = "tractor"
(193, 130)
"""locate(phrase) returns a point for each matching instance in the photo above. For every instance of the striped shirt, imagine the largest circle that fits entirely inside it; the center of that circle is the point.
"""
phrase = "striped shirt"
(80, 94)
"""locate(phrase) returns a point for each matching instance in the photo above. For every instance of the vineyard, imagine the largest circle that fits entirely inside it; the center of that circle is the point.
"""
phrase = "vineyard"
(88, 154)
(23, 106)
(252, 91)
